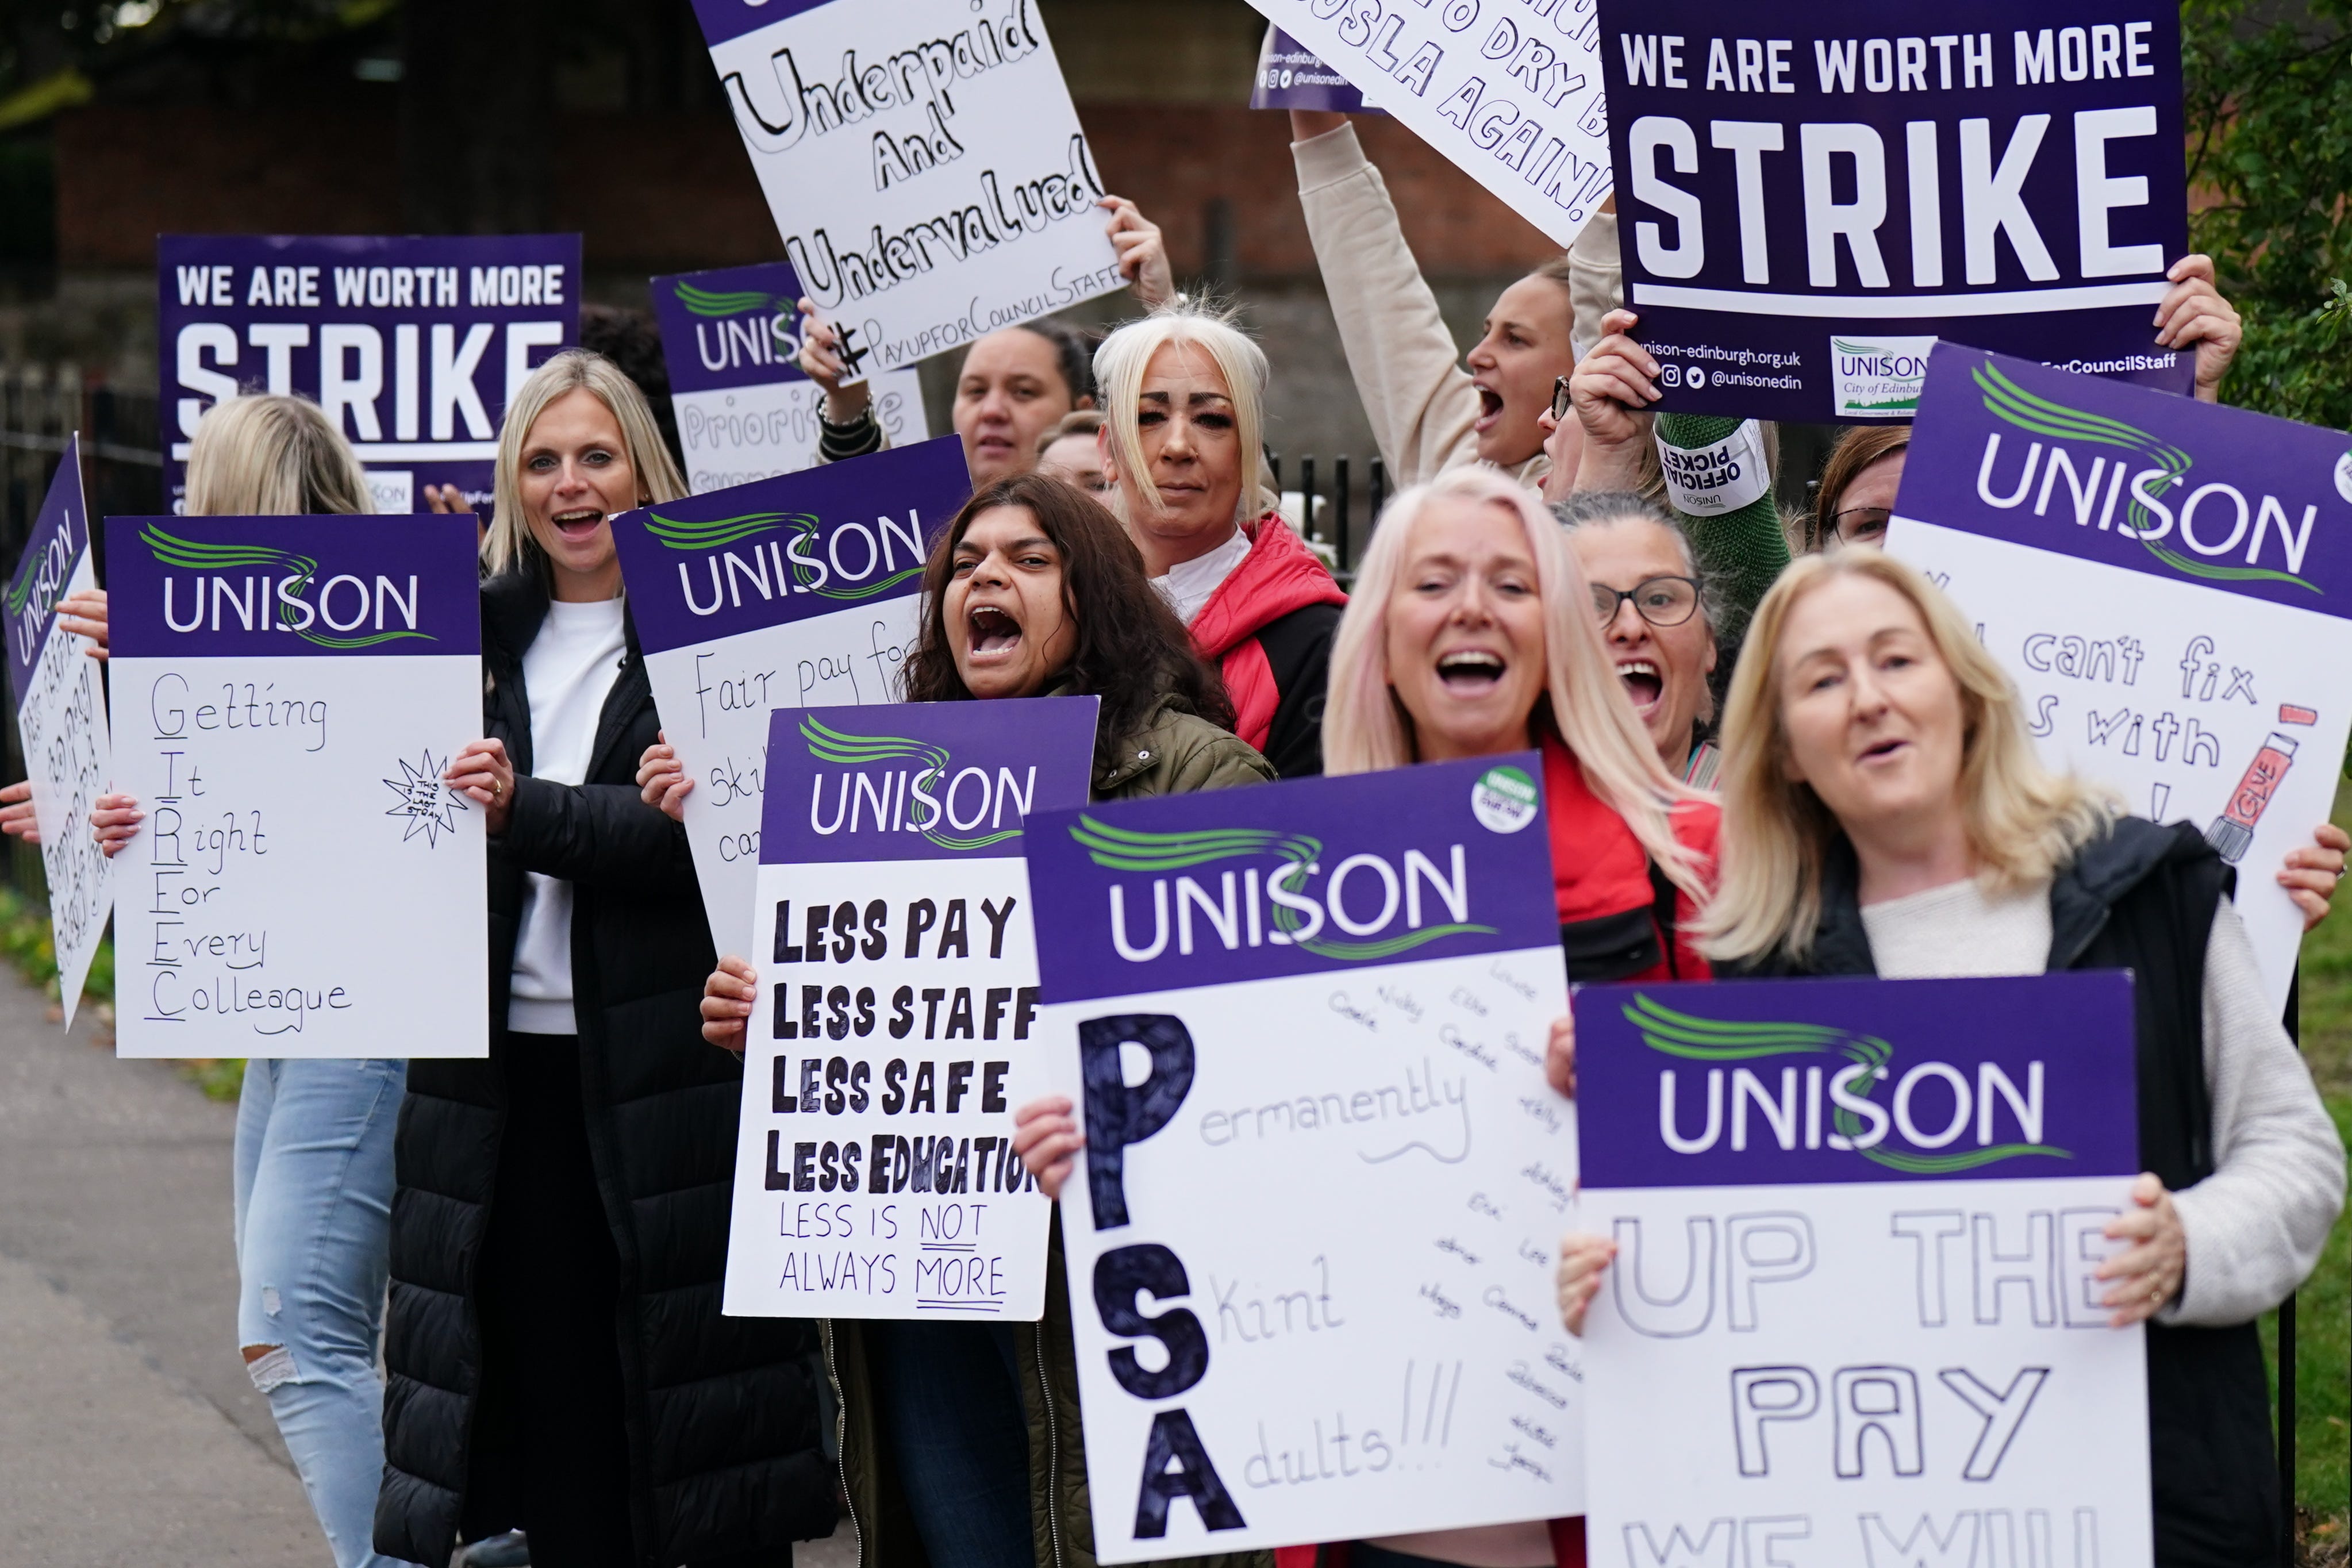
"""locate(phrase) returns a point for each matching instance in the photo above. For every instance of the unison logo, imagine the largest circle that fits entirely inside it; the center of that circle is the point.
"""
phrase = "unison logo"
(1879, 378)
(267, 589)
(1363, 896)
(30, 599)
(871, 796)
(872, 566)
(2155, 468)
(739, 327)
(1933, 1106)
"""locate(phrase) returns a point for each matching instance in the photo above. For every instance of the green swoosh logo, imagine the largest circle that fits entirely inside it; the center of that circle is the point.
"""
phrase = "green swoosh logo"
(706, 302)
(680, 534)
(827, 744)
(190, 555)
(1121, 849)
(2005, 400)
(1693, 1038)
(801, 574)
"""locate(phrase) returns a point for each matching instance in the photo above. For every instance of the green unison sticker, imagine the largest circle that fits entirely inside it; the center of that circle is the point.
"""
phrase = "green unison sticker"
(1504, 799)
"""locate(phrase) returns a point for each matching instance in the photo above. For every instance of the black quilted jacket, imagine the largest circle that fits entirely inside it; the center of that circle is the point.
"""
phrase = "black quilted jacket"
(723, 1411)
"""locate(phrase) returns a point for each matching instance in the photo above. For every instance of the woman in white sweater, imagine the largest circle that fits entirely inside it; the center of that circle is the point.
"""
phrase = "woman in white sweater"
(1429, 409)
(1884, 813)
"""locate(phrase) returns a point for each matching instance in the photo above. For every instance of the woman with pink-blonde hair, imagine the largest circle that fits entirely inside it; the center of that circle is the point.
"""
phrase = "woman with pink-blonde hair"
(1472, 633)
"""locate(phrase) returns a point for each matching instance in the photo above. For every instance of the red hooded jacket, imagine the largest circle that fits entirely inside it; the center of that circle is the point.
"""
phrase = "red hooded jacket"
(1268, 627)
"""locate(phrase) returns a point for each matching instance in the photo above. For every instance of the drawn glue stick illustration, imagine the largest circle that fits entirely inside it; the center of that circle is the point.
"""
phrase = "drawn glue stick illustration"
(2233, 831)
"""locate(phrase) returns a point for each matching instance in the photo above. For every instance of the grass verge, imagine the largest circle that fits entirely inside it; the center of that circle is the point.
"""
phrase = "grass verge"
(27, 943)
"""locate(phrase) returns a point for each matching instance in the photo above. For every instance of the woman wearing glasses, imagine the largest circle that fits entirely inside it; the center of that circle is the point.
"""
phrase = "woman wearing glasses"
(1656, 620)
(1858, 485)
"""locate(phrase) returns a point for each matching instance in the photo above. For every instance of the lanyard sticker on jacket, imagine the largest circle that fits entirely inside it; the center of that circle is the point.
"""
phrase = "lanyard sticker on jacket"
(896, 1029)
(783, 593)
(1809, 197)
(412, 346)
(1857, 1227)
(290, 692)
(1311, 1236)
(2169, 584)
(732, 341)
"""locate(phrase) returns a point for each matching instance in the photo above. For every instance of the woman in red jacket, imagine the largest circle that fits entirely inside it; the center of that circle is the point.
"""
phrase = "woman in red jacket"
(1471, 634)
(1184, 392)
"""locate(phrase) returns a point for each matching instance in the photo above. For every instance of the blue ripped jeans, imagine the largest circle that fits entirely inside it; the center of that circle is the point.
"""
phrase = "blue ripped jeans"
(314, 1182)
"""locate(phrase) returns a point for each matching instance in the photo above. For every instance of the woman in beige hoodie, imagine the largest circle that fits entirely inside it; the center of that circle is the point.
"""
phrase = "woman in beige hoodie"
(1429, 410)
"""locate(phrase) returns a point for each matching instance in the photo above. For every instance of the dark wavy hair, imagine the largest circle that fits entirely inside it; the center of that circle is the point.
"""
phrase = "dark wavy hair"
(1131, 648)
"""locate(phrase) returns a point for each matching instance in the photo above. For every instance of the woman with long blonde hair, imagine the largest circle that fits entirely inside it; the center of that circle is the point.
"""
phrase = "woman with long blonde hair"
(1885, 813)
(558, 1364)
(1183, 390)
(312, 1169)
(1471, 634)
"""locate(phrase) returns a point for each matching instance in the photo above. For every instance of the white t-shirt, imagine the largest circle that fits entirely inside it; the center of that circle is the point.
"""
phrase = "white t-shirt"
(568, 670)
(1188, 584)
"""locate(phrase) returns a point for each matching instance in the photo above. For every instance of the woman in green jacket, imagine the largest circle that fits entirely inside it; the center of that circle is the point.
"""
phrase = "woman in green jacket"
(1032, 590)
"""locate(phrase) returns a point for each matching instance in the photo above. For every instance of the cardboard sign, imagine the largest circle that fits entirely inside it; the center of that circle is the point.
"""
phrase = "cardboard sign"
(1807, 201)
(1290, 77)
(1511, 94)
(745, 412)
(896, 1029)
(60, 695)
(789, 593)
(1853, 1320)
(1311, 1239)
(411, 345)
(2169, 581)
(304, 884)
(923, 164)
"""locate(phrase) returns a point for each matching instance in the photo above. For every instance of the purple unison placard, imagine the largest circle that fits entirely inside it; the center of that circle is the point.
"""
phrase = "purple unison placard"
(729, 327)
(1289, 76)
(274, 587)
(922, 781)
(1804, 214)
(1774, 1082)
(1315, 875)
(411, 345)
(2188, 491)
(790, 547)
(59, 539)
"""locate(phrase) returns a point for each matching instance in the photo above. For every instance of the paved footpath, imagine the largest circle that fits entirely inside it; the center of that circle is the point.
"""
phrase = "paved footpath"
(129, 1432)
(130, 1435)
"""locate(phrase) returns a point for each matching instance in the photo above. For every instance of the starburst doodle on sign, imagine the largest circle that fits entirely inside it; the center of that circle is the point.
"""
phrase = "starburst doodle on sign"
(431, 809)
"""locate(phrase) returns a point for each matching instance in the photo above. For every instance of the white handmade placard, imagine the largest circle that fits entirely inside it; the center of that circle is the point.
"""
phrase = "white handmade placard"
(1854, 1316)
(800, 590)
(1511, 94)
(304, 884)
(896, 1028)
(2169, 581)
(1311, 1239)
(730, 339)
(61, 723)
(922, 161)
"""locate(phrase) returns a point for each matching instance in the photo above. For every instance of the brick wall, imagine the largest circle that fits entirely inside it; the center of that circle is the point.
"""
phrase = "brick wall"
(658, 193)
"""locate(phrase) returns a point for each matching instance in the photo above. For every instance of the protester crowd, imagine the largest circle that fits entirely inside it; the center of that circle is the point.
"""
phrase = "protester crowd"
(1766, 748)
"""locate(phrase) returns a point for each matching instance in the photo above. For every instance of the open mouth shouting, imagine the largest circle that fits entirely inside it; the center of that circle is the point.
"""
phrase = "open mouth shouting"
(1471, 672)
(577, 523)
(1490, 407)
(993, 634)
(1643, 683)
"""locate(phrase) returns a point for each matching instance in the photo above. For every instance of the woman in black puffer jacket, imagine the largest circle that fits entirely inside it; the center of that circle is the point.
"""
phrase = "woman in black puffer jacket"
(557, 1360)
